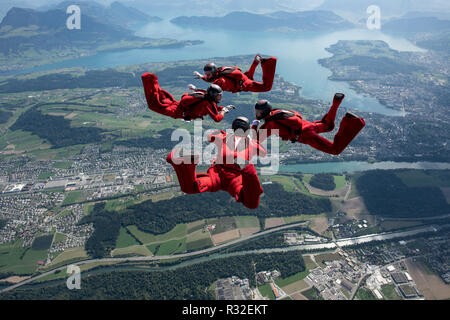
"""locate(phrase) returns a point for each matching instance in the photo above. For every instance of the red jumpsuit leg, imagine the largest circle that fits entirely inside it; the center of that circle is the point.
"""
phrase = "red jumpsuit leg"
(159, 100)
(268, 67)
(249, 189)
(348, 130)
(250, 73)
(192, 182)
(327, 122)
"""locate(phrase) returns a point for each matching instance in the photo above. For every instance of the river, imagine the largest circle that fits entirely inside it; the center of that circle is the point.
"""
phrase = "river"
(353, 166)
(297, 56)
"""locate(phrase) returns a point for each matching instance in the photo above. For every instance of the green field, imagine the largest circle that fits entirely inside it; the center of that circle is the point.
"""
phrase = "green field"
(168, 248)
(59, 237)
(136, 250)
(62, 165)
(266, 291)
(339, 181)
(312, 294)
(247, 222)
(199, 244)
(223, 224)
(178, 231)
(303, 217)
(286, 181)
(125, 239)
(45, 175)
(72, 197)
(18, 260)
(389, 293)
(282, 282)
(365, 294)
(321, 258)
(194, 226)
(71, 254)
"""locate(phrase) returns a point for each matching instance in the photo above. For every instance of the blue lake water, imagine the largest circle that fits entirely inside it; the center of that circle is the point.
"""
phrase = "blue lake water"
(297, 56)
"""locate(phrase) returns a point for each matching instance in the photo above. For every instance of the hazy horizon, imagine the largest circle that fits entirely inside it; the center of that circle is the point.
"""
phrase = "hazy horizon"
(348, 9)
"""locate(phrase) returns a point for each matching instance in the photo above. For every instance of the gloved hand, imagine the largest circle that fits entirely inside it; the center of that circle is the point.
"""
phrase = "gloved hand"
(197, 75)
(228, 108)
(192, 87)
(258, 57)
(255, 123)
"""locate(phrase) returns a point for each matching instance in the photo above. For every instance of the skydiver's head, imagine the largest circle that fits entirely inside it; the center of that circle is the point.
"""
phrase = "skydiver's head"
(215, 92)
(262, 109)
(210, 70)
(241, 125)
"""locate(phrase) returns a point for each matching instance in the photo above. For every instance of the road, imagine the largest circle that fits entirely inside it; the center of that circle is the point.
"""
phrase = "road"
(156, 258)
(329, 245)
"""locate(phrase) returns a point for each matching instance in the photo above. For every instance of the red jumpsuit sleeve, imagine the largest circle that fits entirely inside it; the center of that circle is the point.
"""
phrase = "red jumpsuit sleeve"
(215, 136)
(268, 126)
(204, 79)
(213, 112)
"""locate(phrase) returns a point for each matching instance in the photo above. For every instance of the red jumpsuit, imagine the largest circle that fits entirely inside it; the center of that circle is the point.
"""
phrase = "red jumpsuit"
(242, 184)
(232, 79)
(297, 129)
(188, 108)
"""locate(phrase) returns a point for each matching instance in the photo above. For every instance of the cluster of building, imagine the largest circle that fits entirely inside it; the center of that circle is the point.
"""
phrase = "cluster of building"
(233, 288)
(349, 228)
(395, 275)
(339, 278)
(67, 223)
(293, 238)
(31, 205)
(25, 215)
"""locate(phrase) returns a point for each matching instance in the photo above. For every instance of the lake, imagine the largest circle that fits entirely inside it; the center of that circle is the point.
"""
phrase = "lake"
(297, 55)
(353, 166)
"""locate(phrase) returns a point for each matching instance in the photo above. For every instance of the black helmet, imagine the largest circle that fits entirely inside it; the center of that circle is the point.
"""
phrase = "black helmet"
(211, 67)
(241, 123)
(265, 107)
(214, 90)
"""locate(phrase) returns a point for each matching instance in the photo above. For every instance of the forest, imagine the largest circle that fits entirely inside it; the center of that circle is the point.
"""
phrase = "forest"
(162, 216)
(324, 181)
(189, 282)
(55, 130)
(107, 228)
(385, 194)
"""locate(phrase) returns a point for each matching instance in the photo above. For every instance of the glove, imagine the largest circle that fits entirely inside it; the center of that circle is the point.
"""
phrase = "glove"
(255, 123)
(197, 75)
(192, 87)
(228, 108)
(258, 57)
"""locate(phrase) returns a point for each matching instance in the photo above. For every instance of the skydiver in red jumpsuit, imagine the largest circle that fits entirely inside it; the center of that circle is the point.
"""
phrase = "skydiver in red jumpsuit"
(232, 79)
(225, 174)
(191, 106)
(292, 127)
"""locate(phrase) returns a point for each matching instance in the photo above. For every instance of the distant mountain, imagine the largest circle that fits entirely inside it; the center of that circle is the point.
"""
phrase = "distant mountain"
(388, 7)
(22, 27)
(419, 24)
(29, 37)
(420, 14)
(280, 20)
(175, 8)
(116, 13)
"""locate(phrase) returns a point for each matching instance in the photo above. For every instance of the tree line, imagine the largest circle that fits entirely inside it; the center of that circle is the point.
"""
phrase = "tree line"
(190, 282)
